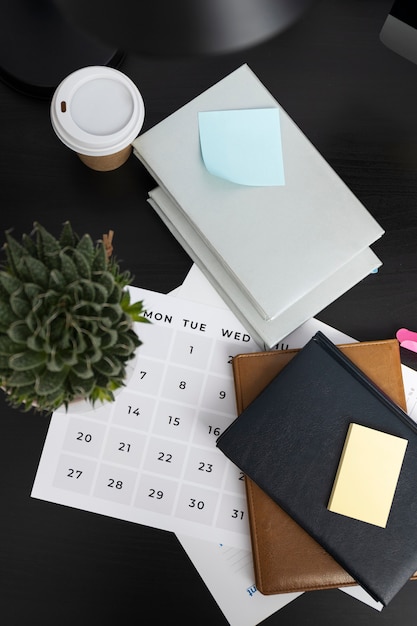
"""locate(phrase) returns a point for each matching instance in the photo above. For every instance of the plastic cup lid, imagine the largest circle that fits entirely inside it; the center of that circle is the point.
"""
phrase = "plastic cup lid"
(97, 111)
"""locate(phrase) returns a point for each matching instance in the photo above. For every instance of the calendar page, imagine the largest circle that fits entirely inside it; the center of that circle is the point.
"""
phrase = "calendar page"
(150, 456)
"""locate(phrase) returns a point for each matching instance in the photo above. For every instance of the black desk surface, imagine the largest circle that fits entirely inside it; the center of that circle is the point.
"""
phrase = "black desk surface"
(356, 101)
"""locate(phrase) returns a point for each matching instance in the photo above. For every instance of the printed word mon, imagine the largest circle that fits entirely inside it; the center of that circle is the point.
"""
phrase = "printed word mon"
(158, 317)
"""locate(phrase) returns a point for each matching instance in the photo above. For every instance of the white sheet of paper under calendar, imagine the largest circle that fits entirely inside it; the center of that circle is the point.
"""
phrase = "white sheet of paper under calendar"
(150, 457)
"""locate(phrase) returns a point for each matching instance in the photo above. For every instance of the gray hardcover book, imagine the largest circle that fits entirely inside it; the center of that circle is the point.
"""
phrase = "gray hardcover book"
(276, 242)
(266, 333)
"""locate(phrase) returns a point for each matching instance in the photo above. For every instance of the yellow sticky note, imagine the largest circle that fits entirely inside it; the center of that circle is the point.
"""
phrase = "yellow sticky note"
(367, 475)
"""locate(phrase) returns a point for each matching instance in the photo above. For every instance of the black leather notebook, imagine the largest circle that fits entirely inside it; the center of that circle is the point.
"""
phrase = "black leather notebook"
(285, 557)
(289, 441)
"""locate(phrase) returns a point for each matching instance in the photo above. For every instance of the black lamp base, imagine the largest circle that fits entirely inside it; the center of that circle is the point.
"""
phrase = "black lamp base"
(39, 47)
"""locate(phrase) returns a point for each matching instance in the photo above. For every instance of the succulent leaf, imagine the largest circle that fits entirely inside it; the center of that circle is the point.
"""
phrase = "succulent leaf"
(48, 247)
(81, 387)
(9, 282)
(115, 295)
(19, 332)
(106, 279)
(14, 252)
(37, 271)
(113, 312)
(102, 394)
(7, 316)
(57, 280)
(68, 238)
(86, 247)
(34, 342)
(134, 310)
(20, 306)
(7, 346)
(108, 338)
(22, 378)
(55, 362)
(4, 366)
(82, 264)
(83, 370)
(29, 245)
(27, 360)
(68, 268)
(50, 382)
(32, 291)
(108, 366)
(100, 261)
(88, 291)
(69, 357)
(100, 294)
(32, 321)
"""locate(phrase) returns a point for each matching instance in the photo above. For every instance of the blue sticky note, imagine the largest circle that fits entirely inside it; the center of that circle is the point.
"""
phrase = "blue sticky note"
(243, 146)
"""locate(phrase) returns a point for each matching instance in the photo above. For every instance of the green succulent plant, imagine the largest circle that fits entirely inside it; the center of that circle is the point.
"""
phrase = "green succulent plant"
(66, 320)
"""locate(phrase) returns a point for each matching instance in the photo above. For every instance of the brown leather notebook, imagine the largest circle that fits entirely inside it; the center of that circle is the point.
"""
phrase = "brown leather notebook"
(286, 559)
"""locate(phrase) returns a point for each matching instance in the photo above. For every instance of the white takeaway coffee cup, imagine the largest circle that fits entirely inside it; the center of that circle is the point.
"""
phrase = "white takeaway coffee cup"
(97, 112)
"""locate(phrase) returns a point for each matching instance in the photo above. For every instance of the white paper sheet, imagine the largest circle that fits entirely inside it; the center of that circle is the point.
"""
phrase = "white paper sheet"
(228, 574)
(234, 588)
(87, 463)
(150, 456)
(227, 585)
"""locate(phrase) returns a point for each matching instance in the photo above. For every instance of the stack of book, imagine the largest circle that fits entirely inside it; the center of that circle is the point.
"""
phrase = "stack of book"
(295, 410)
(277, 254)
